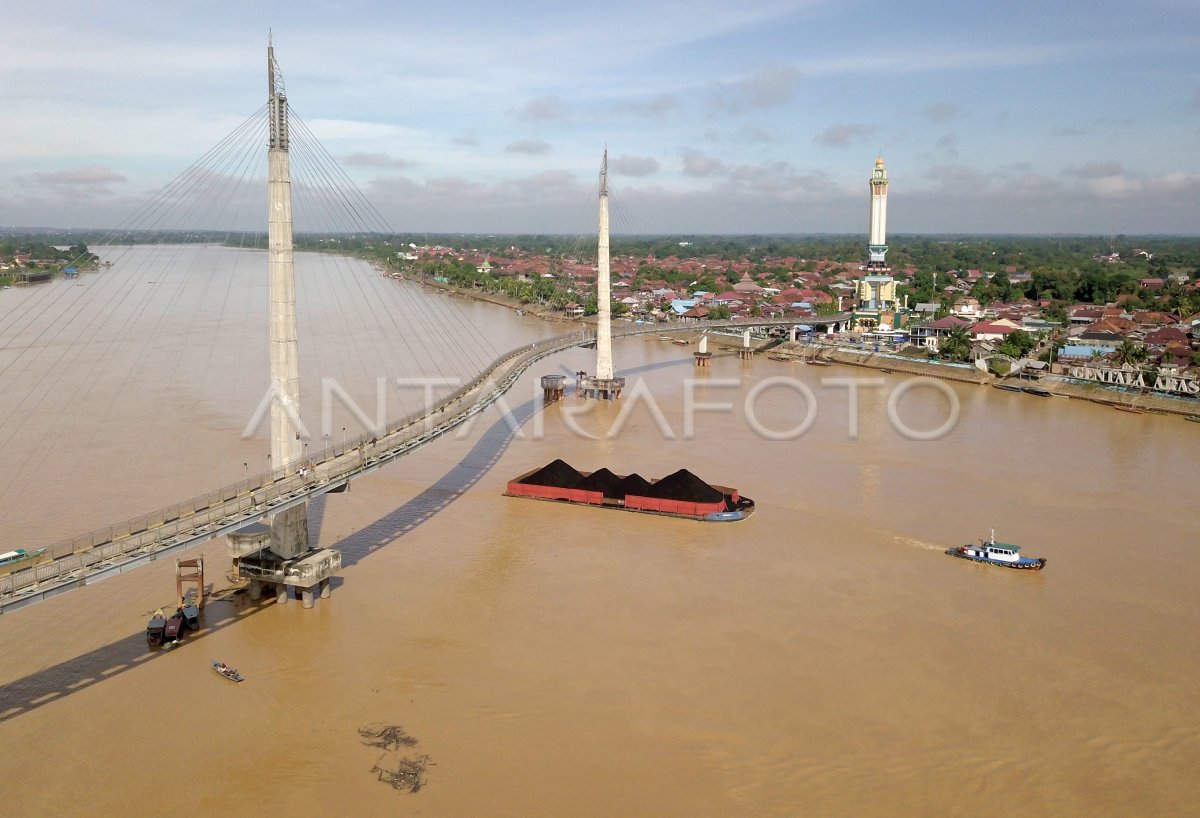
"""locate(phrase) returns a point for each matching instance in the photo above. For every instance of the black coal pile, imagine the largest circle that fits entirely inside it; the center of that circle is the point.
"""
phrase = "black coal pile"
(684, 487)
(557, 474)
(636, 485)
(602, 480)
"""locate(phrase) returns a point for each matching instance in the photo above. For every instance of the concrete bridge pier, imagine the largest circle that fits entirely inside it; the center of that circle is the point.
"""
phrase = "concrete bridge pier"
(746, 352)
(256, 590)
(325, 589)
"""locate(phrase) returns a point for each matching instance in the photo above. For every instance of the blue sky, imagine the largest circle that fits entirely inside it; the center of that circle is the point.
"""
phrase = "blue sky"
(720, 117)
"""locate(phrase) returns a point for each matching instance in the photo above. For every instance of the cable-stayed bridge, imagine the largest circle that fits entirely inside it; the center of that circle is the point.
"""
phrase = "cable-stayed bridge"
(212, 192)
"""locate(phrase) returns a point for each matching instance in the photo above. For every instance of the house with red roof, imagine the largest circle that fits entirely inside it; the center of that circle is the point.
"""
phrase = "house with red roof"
(991, 330)
(930, 335)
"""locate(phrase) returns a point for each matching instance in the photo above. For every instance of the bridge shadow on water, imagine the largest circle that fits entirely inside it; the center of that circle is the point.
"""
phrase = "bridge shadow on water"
(449, 487)
(108, 661)
(465, 474)
(226, 608)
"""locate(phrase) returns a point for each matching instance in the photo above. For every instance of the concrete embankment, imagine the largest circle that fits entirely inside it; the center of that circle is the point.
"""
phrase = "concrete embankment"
(1145, 401)
(851, 356)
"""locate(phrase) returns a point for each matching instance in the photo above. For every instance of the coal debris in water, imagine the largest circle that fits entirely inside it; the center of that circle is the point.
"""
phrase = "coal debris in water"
(409, 773)
(386, 737)
(402, 773)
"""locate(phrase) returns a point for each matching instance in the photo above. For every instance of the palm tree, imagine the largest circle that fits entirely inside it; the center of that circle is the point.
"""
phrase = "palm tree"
(957, 344)
(1130, 353)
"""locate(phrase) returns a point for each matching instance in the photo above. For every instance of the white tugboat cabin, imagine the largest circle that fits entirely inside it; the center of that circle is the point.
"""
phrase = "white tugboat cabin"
(997, 553)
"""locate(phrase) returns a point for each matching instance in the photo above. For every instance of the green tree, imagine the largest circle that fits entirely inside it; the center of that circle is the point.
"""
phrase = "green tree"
(1017, 344)
(1130, 353)
(957, 344)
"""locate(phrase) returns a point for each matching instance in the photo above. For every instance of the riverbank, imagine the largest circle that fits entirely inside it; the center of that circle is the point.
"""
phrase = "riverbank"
(490, 298)
(885, 362)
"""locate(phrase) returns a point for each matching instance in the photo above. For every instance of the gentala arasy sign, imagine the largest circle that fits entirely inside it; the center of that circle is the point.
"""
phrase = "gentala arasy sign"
(1176, 384)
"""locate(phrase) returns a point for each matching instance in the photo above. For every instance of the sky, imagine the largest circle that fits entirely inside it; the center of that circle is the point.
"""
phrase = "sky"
(755, 116)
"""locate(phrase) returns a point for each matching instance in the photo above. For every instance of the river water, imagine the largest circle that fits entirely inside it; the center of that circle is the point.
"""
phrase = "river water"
(821, 658)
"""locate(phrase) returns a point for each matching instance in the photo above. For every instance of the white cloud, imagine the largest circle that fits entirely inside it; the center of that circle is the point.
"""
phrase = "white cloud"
(541, 109)
(696, 163)
(633, 165)
(842, 134)
(534, 147)
(767, 87)
(367, 159)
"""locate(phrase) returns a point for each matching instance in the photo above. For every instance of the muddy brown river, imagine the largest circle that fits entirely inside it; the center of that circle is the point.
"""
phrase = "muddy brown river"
(822, 658)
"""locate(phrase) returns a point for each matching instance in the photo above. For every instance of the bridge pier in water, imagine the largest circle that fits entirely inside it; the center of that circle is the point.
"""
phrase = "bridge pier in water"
(553, 388)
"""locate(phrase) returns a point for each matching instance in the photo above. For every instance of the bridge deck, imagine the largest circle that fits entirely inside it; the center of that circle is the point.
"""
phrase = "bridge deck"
(102, 553)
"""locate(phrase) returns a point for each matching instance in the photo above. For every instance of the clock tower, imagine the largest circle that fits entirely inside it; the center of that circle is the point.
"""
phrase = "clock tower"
(877, 240)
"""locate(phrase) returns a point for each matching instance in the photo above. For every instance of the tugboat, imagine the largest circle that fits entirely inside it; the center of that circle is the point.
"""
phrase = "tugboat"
(997, 553)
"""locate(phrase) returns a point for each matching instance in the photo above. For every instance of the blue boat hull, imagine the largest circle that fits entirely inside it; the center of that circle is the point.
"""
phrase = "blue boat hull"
(1021, 564)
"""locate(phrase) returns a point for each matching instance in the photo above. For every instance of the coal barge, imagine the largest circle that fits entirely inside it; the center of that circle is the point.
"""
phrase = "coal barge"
(680, 494)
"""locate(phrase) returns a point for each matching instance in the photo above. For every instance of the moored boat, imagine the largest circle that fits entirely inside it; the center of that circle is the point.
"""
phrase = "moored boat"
(191, 617)
(998, 553)
(1192, 418)
(1008, 387)
(1133, 410)
(817, 362)
(20, 558)
(155, 628)
(1037, 392)
(173, 628)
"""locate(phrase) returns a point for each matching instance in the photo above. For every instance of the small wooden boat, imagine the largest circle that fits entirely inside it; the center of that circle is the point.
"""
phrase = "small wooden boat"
(817, 362)
(229, 673)
(155, 628)
(1133, 410)
(997, 553)
(1192, 418)
(680, 341)
(191, 617)
(1008, 387)
(173, 628)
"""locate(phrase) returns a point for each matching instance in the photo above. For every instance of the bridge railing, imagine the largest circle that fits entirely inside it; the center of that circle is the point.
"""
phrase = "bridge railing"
(262, 490)
(259, 492)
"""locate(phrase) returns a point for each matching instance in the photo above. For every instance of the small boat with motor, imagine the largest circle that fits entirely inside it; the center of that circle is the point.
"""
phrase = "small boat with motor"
(229, 673)
(682, 342)
(155, 628)
(173, 629)
(998, 553)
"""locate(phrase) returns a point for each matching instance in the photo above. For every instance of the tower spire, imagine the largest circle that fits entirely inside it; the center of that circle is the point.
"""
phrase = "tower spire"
(289, 528)
(602, 384)
(604, 363)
